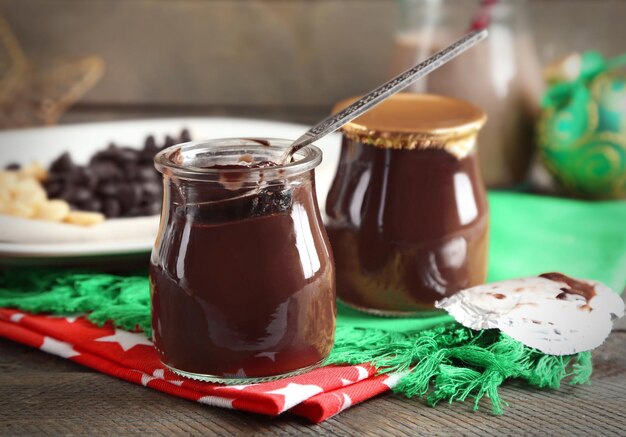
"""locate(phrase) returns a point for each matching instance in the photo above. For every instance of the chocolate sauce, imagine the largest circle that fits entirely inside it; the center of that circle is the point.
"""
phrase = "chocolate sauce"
(407, 227)
(242, 281)
(233, 178)
(260, 164)
(574, 286)
(260, 141)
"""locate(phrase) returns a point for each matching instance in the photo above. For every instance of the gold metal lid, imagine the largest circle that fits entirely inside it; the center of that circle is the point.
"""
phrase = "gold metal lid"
(417, 121)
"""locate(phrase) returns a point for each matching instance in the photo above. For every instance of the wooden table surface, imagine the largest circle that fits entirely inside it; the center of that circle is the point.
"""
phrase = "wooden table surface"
(42, 395)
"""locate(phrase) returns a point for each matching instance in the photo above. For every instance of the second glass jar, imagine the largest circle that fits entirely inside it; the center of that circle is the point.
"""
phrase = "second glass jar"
(408, 217)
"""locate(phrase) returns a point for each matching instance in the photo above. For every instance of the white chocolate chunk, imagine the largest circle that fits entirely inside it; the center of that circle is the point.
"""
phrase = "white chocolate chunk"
(19, 209)
(29, 192)
(52, 210)
(84, 218)
(7, 179)
(33, 170)
(547, 314)
(22, 195)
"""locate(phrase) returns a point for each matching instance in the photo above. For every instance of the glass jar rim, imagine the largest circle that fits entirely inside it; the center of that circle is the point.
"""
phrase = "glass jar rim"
(178, 160)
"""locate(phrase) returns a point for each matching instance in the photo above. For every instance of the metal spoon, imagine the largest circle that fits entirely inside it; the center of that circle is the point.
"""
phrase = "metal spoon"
(335, 121)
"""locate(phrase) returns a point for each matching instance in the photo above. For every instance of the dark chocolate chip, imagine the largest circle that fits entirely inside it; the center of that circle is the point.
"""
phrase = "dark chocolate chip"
(111, 153)
(78, 194)
(129, 197)
(150, 144)
(145, 174)
(91, 204)
(54, 189)
(126, 155)
(151, 191)
(61, 178)
(150, 209)
(169, 141)
(81, 175)
(62, 164)
(91, 181)
(108, 189)
(185, 136)
(106, 170)
(111, 207)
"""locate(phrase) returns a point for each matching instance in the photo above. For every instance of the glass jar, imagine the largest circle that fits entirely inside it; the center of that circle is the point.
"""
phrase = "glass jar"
(502, 74)
(242, 277)
(408, 218)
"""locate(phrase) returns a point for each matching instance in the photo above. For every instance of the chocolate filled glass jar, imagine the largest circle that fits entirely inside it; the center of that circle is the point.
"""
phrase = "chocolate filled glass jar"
(408, 216)
(242, 277)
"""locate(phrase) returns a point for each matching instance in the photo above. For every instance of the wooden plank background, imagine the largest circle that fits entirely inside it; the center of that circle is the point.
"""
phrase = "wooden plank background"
(230, 56)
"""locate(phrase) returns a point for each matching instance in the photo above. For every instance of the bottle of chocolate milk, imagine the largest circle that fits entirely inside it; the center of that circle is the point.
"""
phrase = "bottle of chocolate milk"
(501, 75)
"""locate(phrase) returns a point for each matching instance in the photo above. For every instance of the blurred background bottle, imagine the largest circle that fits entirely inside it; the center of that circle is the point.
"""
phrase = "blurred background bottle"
(502, 75)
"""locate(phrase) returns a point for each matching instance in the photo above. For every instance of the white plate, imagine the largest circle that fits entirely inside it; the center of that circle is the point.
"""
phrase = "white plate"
(82, 140)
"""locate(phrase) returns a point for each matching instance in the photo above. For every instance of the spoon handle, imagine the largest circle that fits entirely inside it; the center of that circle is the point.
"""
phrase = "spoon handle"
(335, 121)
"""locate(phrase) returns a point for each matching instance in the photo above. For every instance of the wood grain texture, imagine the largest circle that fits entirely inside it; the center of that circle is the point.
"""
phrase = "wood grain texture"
(260, 52)
(288, 113)
(42, 395)
(213, 51)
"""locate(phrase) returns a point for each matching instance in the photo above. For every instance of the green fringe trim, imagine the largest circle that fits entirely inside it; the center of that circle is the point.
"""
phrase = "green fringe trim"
(449, 362)
(121, 300)
(454, 363)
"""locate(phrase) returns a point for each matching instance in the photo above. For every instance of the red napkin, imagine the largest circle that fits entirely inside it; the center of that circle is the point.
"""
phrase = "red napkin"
(316, 395)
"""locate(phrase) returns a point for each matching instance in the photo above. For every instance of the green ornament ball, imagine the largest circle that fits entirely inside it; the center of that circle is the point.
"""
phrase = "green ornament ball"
(582, 137)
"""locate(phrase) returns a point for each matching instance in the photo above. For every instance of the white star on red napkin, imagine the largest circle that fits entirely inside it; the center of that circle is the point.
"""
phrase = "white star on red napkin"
(69, 319)
(296, 393)
(57, 347)
(393, 379)
(346, 402)
(15, 318)
(145, 379)
(240, 374)
(216, 401)
(363, 373)
(270, 355)
(126, 340)
(234, 387)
